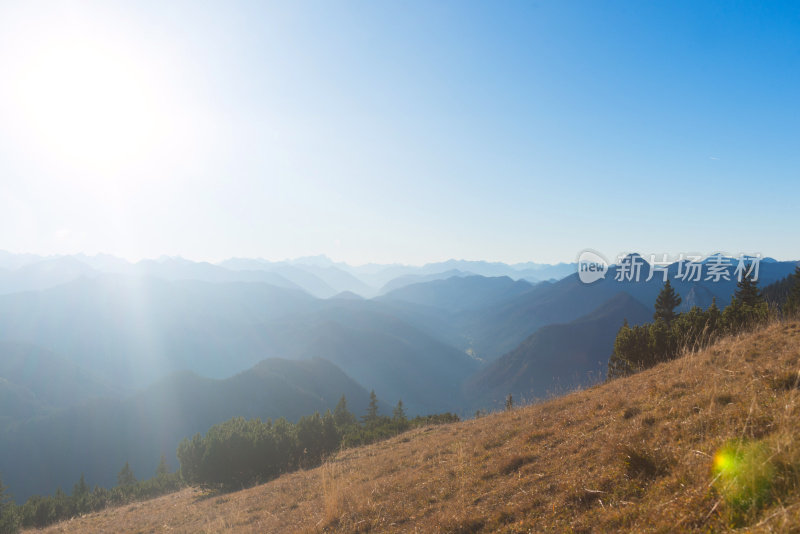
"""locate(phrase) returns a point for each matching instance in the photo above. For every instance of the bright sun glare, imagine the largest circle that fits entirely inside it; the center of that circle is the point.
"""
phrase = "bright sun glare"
(88, 105)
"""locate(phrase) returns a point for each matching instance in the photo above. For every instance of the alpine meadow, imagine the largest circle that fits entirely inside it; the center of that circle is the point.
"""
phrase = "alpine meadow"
(450, 267)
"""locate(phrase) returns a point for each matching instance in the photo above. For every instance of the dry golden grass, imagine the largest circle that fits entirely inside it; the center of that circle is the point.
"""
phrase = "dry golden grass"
(631, 455)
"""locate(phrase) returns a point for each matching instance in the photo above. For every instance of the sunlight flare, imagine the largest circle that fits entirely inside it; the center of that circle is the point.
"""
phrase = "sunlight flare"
(88, 104)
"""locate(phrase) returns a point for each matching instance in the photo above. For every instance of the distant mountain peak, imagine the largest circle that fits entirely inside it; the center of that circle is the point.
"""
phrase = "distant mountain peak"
(320, 260)
(346, 295)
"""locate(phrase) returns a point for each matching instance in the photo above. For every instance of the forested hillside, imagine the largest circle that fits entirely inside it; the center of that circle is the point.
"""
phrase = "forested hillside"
(54, 448)
(707, 442)
(114, 368)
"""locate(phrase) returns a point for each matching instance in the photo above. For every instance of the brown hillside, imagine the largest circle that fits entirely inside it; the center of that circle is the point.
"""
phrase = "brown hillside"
(632, 455)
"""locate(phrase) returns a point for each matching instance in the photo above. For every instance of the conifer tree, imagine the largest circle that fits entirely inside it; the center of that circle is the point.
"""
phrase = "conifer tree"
(713, 310)
(666, 302)
(399, 417)
(80, 487)
(331, 435)
(617, 364)
(747, 307)
(126, 477)
(163, 468)
(62, 505)
(713, 321)
(80, 496)
(631, 350)
(747, 292)
(372, 409)
(399, 413)
(792, 306)
(9, 521)
(342, 416)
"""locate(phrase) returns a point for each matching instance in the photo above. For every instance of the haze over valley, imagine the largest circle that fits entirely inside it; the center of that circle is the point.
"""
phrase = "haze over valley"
(347, 266)
(133, 357)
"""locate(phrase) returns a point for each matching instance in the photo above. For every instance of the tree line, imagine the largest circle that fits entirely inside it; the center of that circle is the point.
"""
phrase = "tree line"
(642, 346)
(240, 452)
(233, 454)
(40, 511)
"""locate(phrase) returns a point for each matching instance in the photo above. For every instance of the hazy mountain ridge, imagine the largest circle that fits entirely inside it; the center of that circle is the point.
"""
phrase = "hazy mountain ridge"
(632, 455)
(557, 357)
(49, 379)
(449, 344)
(461, 293)
(131, 331)
(381, 352)
(412, 279)
(499, 329)
(219, 329)
(54, 447)
(317, 275)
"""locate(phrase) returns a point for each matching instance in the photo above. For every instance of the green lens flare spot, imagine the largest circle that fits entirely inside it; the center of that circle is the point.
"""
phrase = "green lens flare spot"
(743, 476)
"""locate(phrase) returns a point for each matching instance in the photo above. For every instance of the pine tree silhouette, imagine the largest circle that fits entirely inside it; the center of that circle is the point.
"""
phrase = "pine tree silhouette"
(747, 292)
(666, 302)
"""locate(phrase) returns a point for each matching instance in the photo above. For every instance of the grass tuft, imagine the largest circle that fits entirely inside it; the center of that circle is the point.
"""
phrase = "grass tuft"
(470, 525)
(631, 411)
(512, 465)
(642, 464)
(786, 381)
(724, 399)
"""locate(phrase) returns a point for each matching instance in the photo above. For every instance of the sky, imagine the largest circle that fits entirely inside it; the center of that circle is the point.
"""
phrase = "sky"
(399, 131)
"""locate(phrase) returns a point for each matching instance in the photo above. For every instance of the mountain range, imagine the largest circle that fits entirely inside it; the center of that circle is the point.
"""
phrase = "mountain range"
(95, 438)
(557, 358)
(319, 276)
(88, 339)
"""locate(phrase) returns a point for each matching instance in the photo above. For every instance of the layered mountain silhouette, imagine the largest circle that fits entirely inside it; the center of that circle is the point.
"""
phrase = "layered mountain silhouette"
(498, 329)
(99, 339)
(317, 275)
(461, 293)
(132, 331)
(46, 380)
(54, 447)
(410, 279)
(558, 357)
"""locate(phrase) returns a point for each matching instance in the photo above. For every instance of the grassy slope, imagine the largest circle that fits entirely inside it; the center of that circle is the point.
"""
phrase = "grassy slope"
(631, 455)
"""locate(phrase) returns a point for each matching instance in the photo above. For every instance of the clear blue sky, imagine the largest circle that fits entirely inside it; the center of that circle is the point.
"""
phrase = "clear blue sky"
(399, 131)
